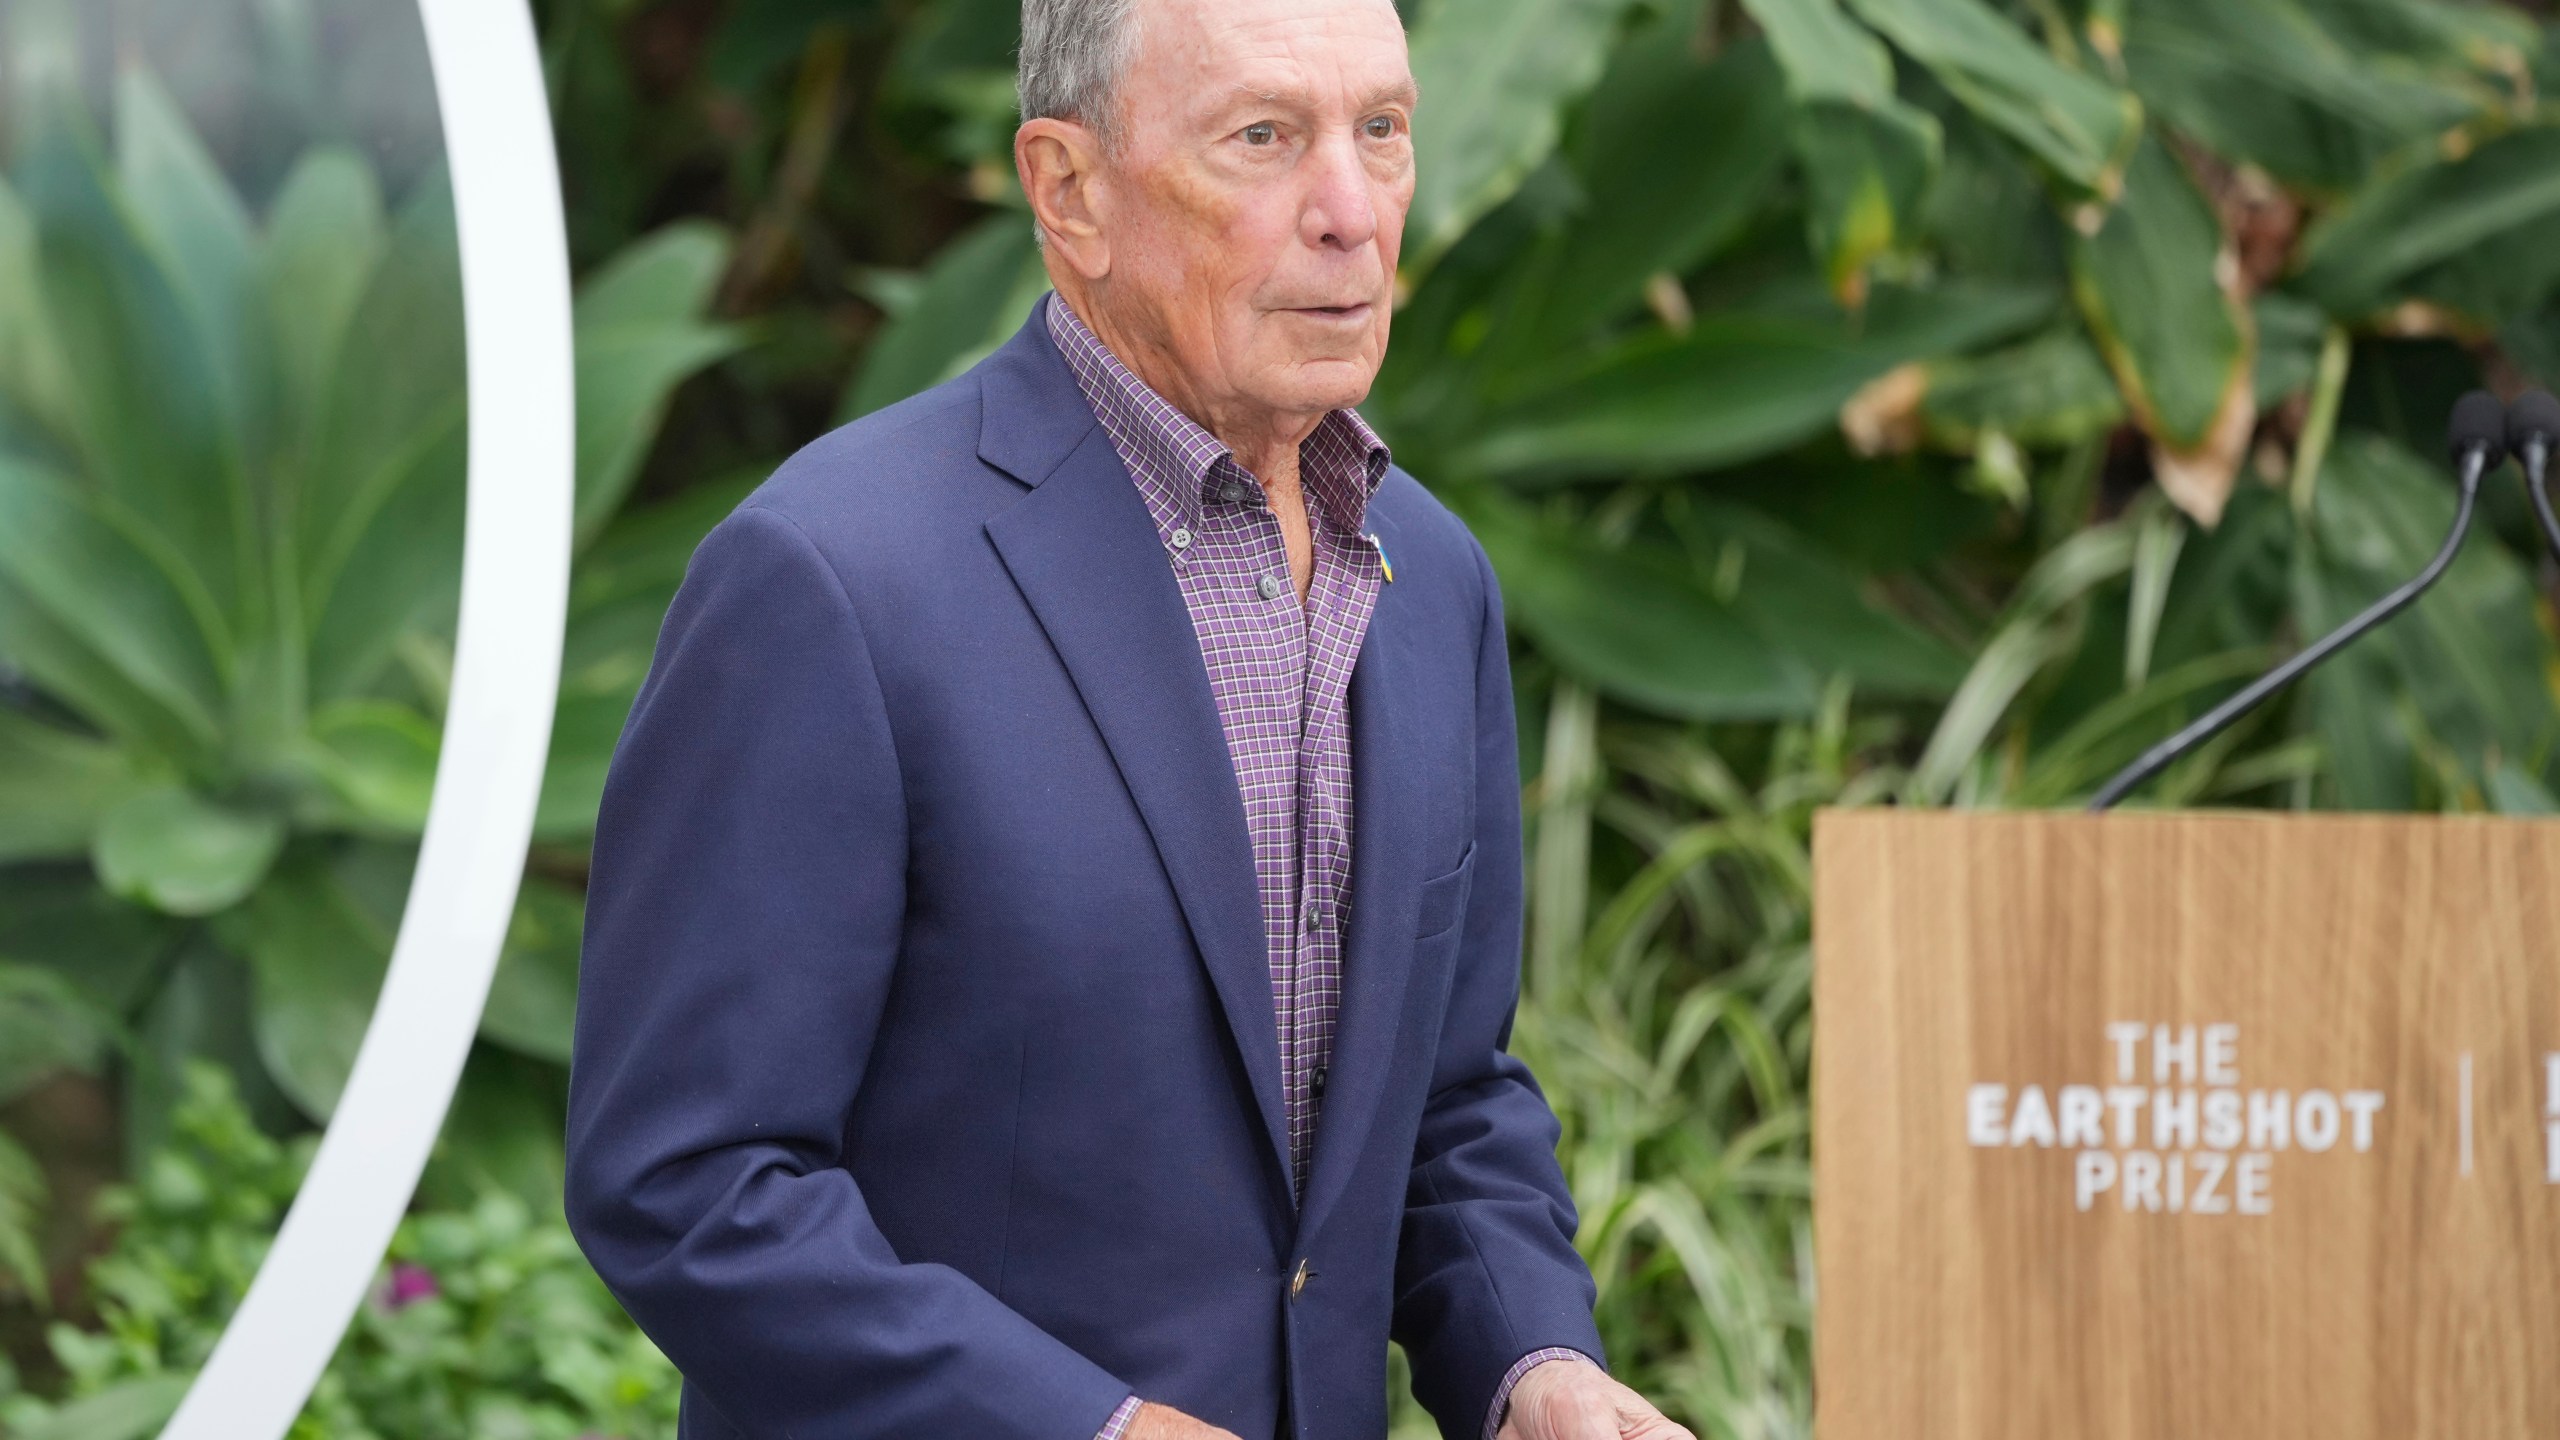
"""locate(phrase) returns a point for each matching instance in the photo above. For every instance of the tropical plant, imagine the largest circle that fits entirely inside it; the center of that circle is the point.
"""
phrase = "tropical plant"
(1924, 401)
(1772, 343)
(231, 493)
(484, 1322)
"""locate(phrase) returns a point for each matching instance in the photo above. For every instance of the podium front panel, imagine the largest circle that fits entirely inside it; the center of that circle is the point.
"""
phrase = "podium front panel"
(2153, 1126)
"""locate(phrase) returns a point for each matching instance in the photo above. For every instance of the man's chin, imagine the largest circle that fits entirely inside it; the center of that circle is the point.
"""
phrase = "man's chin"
(1323, 383)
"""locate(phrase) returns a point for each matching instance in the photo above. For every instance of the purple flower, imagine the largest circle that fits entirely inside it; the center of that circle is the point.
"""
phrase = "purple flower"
(408, 1282)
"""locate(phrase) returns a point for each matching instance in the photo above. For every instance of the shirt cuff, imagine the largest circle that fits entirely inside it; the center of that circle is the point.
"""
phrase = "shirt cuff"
(1511, 1377)
(1118, 1425)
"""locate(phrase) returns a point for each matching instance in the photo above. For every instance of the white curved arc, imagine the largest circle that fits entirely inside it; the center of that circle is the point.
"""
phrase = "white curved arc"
(515, 589)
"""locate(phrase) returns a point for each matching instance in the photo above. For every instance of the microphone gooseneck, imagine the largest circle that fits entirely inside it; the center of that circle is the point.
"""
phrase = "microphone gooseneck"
(2479, 442)
(2533, 431)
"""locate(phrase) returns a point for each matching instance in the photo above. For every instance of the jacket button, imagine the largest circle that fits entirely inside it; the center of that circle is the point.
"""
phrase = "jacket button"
(1298, 1282)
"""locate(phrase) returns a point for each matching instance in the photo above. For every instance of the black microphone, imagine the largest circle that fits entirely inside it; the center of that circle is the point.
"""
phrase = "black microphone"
(2533, 431)
(2479, 442)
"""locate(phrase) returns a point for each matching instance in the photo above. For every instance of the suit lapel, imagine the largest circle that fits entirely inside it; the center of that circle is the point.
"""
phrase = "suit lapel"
(1087, 558)
(1377, 951)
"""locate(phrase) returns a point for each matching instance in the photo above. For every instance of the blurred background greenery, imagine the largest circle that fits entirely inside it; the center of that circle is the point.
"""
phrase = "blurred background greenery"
(1927, 402)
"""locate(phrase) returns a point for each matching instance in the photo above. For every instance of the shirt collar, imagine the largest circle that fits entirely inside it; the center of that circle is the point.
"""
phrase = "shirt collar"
(1180, 466)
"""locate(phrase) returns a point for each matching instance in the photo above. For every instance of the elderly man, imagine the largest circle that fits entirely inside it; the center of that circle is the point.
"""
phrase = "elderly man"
(1055, 918)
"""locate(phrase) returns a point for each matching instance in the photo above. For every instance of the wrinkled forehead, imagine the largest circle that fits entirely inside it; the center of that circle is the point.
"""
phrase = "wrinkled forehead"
(1194, 61)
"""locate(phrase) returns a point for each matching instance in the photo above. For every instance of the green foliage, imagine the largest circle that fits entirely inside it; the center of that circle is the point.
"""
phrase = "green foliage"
(22, 1197)
(231, 494)
(1496, 71)
(483, 1324)
(1866, 154)
(1934, 401)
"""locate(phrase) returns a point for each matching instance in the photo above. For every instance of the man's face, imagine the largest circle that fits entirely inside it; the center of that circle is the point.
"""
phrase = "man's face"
(1256, 199)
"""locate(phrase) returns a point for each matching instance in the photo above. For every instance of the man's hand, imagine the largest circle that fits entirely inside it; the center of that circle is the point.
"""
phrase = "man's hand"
(1163, 1422)
(1569, 1400)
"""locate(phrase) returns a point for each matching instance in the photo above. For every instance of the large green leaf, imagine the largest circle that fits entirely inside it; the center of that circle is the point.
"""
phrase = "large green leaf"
(326, 234)
(975, 294)
(1637, 626)
(1737, 387)
(503, 1132)
(1990, 213)
(378, 758)
(2151, 283)
(152, 407)
(2081, 128)
(2285, 85)
(35, 382)
(56, 917)
(55, 786)
(318, 939)
(1633, 201)
(2490, 37)
(1750, 624)
(402, 571)
(1865, 173)
(86, 587)
(35, 645)
(381, 499)
(2472, 233)
(202, 1008)
(186, 211)
(1867, 155)
(2051, 390)
(1495, 76)
(2462, 671)
(2291, 335)
(178, 852)
(533, 999)
(1674, 154)
(640, 333)
(1813, 608)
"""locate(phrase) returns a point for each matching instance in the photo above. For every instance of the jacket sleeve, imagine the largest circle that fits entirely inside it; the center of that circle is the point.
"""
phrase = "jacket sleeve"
(744, 916)
(1486, 1272)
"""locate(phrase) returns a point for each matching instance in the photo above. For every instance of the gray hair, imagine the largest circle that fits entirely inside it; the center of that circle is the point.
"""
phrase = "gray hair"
(1073, 52)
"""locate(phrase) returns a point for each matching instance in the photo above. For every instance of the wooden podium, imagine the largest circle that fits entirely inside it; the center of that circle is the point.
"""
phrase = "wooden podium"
(2186, 1127)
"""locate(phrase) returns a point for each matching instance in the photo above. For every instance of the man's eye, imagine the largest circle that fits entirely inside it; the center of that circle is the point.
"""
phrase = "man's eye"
(1261, 134)
(1382, 127)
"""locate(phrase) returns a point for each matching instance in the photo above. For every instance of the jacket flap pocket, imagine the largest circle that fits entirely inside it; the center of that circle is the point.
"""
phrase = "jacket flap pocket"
(1444, 897)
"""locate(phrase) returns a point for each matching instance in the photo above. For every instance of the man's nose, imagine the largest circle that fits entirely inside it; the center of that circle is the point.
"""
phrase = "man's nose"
(1341, 212)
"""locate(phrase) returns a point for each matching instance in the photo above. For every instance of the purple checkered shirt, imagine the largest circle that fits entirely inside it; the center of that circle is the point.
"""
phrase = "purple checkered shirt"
(1281, 674)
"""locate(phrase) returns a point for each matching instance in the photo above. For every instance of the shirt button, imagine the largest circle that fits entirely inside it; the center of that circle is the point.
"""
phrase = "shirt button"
(1270, 587)
(1231, 493)
(1181, 539)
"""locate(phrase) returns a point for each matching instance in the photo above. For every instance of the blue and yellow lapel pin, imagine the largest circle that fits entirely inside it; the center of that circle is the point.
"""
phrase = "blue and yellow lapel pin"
(1387, 566)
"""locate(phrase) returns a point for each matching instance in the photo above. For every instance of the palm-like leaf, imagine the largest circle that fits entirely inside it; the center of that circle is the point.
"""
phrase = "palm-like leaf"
(231, 493)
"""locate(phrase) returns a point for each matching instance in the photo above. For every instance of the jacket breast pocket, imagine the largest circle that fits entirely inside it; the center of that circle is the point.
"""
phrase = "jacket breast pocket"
(1444, 898)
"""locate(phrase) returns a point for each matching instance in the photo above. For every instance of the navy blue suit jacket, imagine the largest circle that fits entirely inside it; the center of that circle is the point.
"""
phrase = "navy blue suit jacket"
(926, 1080)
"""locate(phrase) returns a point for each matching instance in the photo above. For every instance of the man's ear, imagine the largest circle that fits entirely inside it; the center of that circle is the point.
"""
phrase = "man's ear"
(1060, 164)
